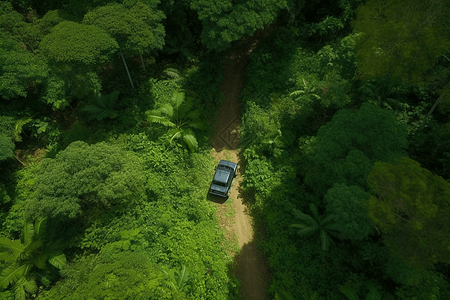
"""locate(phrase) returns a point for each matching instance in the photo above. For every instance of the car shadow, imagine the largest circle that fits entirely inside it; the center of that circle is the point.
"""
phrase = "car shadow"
(216, 199)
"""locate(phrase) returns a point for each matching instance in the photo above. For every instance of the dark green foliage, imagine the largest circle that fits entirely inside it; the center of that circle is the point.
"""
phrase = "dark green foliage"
(6, 147)
(401, 38)
(10, 132)
(326, 226)
(71, 42)
(113, 275)
(103, 106)
(83, 178)
(22, 257)
(20, 70)
(178, 116)
(135, 26)
(226, 21)
(346, 204)
(410, 207)
(431, 148)
(347, 147)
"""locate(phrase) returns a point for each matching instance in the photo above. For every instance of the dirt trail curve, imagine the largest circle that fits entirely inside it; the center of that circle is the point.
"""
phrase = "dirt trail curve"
(251, 268)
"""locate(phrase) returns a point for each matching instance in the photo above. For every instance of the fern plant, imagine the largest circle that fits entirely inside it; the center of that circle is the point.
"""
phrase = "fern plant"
(21, 256)
(176, 281)
(310, 224)
(180, 118)
(103, 106)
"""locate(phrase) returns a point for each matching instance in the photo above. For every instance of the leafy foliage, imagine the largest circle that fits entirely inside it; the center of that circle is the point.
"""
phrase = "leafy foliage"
(21, 256)
(401, 38)
(226, 21)
(410, 208)
(82, 178)
(326, 226)
(346, 204)
(71, 42)
(103, 106)
(179, 117)
(347, 147)
(136, 28)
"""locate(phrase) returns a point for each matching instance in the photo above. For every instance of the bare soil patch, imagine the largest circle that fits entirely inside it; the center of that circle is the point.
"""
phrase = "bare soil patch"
(250, 266)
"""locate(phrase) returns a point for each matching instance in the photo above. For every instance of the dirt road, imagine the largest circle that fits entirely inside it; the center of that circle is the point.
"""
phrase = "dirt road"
(251, 268)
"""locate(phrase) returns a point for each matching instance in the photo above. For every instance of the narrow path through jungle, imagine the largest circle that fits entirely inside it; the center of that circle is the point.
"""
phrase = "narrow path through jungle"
(250, 266)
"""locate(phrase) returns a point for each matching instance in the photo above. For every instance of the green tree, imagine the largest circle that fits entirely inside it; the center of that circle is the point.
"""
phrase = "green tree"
(86, 179)
(179, 117)
(225, 21)
(75, 51)
(402, 38)
(20, 70)
(347, 146)
(22, 256)
(136, 27)
(327, 226)
(410, 207)
(346, 203)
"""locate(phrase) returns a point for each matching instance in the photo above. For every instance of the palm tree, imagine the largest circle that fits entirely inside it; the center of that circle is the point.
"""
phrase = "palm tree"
(307, 93)
(103, 106)
(179, 118)
(21, 256)
(311, 224)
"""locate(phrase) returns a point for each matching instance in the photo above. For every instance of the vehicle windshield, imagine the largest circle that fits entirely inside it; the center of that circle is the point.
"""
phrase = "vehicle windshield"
(226, 168)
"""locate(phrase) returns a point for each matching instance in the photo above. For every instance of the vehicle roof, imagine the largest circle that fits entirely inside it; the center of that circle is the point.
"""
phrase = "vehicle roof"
(221, 176)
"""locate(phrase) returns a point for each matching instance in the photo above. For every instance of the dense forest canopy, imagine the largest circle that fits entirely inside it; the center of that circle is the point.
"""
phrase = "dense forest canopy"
(107, 113)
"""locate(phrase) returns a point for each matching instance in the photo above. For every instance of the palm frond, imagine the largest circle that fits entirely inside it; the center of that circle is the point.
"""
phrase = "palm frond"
(325, 240)
(18, 129)
(5, 256)
(166, 109)
(190, 140)
(327, 221)
(58, 260)
(40, 226)
(177, 99)
(304, 217)
(14, 247)
(19, 290)
(175, 133)
(11, 275)
(28, 232)
(183, 277)
(193, 115)
(151, 117)
(373, 294)
(27, 251)
(40, 261)
(295, 94)
(349, 292)
(184, 109)
(198, 125)
(27, 284)
(315, 213)
(103, 106)
(305, 230)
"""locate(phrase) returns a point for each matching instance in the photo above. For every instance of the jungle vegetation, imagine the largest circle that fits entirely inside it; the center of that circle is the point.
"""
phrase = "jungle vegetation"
(107, 113)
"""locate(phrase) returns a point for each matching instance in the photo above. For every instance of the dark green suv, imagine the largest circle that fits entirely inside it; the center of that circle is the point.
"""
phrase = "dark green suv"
(223, 178)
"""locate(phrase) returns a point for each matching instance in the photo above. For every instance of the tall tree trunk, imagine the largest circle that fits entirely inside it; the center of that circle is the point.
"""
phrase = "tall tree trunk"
(126, 68)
